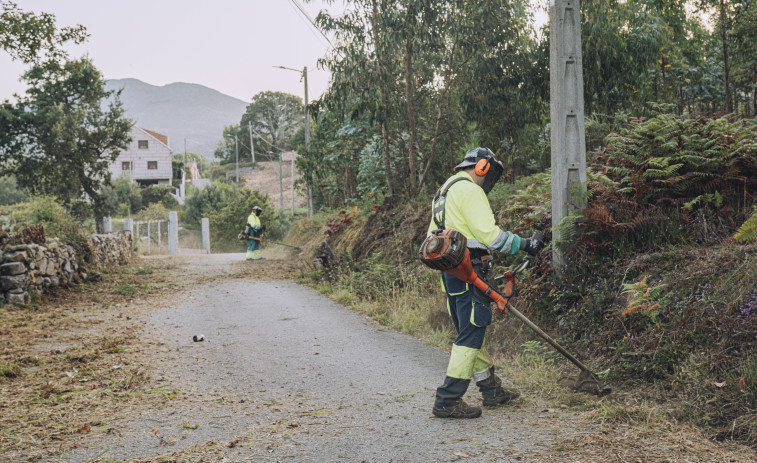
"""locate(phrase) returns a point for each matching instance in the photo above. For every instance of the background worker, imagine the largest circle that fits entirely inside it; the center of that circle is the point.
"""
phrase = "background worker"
(461, 203)
(254, 230)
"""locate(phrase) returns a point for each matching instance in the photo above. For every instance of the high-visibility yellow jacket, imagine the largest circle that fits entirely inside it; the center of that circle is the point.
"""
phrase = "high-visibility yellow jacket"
(253, 221)
(467, 210)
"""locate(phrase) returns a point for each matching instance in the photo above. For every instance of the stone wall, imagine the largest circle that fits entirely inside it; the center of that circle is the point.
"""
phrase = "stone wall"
(28, 269)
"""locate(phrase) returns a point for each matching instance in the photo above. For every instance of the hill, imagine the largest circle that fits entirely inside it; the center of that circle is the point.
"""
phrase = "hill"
(180, 110)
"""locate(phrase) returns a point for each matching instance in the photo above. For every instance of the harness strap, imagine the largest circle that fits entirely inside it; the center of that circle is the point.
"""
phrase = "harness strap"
(440, 201)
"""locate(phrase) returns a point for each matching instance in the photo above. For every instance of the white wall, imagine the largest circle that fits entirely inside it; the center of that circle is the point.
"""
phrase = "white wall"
(155, 151)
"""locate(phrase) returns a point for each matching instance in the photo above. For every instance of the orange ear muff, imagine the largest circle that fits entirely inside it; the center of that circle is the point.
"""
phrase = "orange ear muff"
(482, 167)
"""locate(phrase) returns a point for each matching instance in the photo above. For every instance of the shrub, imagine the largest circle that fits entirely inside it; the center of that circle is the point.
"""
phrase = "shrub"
(159, 194)
(10, 192)
(122, 195)
(56, 220)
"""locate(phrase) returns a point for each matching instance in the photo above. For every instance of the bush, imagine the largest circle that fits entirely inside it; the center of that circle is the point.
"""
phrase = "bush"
(10, 192)
(122, 197)
(159, 194)
(56, 220)
(226, 223)
(227, 208)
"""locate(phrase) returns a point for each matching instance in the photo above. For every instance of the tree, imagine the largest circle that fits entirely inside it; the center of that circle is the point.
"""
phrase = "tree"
(10, 192)
(34, 38)
(60, 138)
(274, 117)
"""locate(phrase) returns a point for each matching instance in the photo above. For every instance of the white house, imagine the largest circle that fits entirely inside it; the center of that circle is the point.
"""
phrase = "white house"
(147, 159)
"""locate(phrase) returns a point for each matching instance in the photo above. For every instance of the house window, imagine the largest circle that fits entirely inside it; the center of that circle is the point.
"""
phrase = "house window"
(142, 144)
(125, 165)
(152, 165)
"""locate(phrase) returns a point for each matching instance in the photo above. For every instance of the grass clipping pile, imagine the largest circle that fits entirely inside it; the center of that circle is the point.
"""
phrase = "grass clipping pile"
(71, 362)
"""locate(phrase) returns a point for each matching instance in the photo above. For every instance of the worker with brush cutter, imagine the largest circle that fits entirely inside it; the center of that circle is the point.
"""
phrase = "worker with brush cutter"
(253, 232)
(461, 204)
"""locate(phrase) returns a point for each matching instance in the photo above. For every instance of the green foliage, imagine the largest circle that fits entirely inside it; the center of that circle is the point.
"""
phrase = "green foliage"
(274, 118)
(227, 208)
(201, 203)
(159, 194)
(10, 192)
(747, 233)
(231, 218)
(56, 220)
(122, 197)
(668, 179)
(154, 211)
(60, 138)
(34, 38)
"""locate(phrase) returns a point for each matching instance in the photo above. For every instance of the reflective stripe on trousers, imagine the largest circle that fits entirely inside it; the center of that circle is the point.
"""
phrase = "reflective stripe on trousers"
(468, 358)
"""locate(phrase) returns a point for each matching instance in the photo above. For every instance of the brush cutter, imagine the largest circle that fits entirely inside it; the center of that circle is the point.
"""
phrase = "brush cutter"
(244, 236)
(446, 250)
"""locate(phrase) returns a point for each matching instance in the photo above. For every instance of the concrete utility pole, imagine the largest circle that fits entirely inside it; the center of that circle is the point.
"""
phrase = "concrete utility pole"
(281, 182)
(236, 148)
(252, 143)
(566, 91)
(309, 193)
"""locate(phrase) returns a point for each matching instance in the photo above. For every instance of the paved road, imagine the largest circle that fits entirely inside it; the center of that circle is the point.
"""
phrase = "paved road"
(285, 374)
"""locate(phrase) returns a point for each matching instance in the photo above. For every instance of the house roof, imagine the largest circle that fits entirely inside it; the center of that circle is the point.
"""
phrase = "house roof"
(160, 137)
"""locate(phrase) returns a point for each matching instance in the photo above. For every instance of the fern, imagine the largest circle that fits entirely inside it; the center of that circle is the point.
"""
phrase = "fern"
(747, 233)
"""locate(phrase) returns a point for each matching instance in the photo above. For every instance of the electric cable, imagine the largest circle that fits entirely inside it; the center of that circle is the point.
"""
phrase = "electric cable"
(304, 13)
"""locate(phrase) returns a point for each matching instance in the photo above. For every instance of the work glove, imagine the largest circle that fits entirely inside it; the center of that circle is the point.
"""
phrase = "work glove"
(262, 228)
(533, 245)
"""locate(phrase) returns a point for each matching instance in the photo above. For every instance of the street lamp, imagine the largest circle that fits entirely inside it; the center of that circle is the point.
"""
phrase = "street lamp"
(304, 76)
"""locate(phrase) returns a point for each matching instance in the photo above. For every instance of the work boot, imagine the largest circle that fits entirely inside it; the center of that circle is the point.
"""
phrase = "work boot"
(493, 392)
(459, 409)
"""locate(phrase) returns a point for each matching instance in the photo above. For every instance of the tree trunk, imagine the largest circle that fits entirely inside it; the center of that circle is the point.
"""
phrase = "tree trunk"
(724, 39)
(754, 90)
(410, 105)
(381, 69)
(664, 80)
(439, 115)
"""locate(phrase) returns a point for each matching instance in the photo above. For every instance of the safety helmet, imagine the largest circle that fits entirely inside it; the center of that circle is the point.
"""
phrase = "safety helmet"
(485, 166)
(257, 210)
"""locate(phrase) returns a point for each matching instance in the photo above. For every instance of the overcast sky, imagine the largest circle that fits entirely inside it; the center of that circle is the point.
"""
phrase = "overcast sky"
(230, 46)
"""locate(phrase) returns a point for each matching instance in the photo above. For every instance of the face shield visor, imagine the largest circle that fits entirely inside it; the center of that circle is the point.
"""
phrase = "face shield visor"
(492, 176)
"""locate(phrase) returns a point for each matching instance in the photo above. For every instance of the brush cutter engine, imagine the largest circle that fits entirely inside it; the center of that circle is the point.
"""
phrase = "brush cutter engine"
(443, 249)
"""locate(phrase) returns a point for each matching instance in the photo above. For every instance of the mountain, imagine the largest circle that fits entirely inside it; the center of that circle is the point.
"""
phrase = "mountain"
(180, 111)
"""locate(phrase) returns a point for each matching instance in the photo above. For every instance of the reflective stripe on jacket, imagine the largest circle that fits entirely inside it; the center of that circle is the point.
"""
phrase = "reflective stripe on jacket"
(467, 210)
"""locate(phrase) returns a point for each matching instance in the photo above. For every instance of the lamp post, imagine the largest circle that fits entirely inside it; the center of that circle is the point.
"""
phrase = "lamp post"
(304, 77)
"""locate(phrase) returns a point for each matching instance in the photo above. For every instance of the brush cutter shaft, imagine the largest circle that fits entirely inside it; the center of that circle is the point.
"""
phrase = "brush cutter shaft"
(546, 337)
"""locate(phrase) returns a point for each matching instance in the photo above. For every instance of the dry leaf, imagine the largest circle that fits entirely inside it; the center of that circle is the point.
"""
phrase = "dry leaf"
(84, 429)
(461, 454)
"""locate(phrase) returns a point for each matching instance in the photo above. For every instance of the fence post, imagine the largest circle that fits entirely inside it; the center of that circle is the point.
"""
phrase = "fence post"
(206, 235)
(148, 238)
(127, 226)
(106, 225)
(173, 233)
(159, 237)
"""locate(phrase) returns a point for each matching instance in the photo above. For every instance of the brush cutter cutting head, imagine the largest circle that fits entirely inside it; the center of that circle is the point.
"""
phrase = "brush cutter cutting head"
(443, 249)
(586, 381)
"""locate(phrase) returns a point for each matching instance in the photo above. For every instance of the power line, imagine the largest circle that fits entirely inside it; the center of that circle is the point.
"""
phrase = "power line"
(305, 14)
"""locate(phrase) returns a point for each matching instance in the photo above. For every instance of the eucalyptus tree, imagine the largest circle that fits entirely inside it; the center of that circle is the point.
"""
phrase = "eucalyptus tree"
(730, 16)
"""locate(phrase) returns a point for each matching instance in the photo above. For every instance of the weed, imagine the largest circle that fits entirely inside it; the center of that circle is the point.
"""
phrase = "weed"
(10, 370)
(126, 289)
(144, 270)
